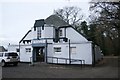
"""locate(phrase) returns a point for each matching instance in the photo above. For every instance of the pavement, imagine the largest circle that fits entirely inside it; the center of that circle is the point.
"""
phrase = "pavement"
(107, 68)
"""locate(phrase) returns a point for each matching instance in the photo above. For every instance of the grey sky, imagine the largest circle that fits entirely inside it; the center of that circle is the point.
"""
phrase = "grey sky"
(18, 16)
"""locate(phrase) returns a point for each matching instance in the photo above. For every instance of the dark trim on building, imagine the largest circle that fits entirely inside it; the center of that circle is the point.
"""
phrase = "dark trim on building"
(39, 45)
(26, 41)
(42, 38)
(64, 26)
(19, 50)
(93, 54)
(74, 29)
(69, 53)
(39, 23)
(25, 36)
(65, 32)
(46, 51)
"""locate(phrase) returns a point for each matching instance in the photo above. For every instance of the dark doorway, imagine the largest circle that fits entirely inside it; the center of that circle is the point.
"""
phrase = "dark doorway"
(39, 54)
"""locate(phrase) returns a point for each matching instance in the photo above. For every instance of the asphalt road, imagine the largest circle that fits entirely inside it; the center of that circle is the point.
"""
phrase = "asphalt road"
(0, 72)
(108, 68)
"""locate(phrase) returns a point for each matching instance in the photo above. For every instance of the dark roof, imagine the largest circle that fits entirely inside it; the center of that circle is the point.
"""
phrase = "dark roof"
(55, 21)
(39, 23)
(51, 20)
(2, 49)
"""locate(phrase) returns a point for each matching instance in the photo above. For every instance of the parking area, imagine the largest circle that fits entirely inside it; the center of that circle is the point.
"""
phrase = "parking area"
(0, 72)
(108, 68)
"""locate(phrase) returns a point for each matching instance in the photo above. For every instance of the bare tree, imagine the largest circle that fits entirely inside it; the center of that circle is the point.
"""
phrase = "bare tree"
(71, 15)
(107, 18)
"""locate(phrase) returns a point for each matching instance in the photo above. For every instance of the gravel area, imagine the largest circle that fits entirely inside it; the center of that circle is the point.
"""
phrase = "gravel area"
(108, 68)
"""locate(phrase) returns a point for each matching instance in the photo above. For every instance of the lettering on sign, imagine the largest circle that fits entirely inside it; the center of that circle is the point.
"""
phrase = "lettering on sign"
(38, 41)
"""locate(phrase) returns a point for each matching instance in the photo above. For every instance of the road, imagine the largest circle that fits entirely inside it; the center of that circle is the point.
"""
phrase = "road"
(108, 68)
(0, 72)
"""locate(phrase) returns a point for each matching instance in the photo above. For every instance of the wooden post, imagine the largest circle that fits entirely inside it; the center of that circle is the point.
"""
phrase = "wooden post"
(46, 51)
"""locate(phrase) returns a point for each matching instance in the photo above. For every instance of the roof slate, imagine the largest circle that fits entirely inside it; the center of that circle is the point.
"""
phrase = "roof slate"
(55, 21)
(39, 23)
(51, 20)
(2, 49)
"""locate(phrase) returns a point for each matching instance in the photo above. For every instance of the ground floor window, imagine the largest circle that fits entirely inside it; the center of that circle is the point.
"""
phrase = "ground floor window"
(28, 49)
(57, 49)
(17, 50)
(73, 50)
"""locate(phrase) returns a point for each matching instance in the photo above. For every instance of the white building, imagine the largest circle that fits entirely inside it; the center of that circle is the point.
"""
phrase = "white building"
(54, 41)
(13, 48)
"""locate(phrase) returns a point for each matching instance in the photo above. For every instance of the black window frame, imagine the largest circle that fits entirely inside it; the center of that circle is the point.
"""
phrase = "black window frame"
(27, 50)
(57, 49)
(60, 32)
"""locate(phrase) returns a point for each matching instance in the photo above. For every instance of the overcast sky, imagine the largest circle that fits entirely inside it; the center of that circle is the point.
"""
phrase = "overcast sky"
(18, 16)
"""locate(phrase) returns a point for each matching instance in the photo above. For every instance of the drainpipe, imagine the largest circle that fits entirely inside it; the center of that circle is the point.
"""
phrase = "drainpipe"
(32, 57)
(69, 53)
(46, 50)
(93, 51)
(19, 50)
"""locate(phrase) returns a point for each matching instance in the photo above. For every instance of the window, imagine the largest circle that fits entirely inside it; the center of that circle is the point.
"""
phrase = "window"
(57, 49)
(73, 50)
(38, 32)
(17, 50)
(28, 49)
(60, 33)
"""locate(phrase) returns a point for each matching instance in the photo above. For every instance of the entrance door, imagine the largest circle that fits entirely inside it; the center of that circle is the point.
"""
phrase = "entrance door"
(39, 54)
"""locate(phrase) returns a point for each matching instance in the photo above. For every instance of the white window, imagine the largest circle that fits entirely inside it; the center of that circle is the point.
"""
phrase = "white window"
(73, 50)
(28, 49)
(57, 49)
(60, 33)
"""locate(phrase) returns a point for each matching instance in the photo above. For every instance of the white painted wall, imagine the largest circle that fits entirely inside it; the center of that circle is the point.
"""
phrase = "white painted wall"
(49, 52)
(63, 54)
(83, 52)
(31, 35)
(83, 47)
(47, 32)
(25, 57)
(64, 51)
(74, 36)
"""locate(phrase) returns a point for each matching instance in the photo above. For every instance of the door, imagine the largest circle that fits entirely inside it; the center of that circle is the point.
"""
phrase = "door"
(39, 54)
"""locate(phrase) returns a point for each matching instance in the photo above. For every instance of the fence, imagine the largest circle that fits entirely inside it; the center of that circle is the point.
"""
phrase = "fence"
(82, 62)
